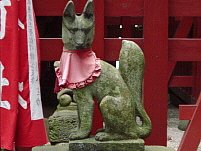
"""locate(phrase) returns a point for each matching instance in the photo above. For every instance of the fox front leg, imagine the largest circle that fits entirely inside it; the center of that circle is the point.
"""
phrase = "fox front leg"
(85, 106)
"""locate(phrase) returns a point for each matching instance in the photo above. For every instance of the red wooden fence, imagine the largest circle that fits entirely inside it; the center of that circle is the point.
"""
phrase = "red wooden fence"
(192, 136)
(161, 52)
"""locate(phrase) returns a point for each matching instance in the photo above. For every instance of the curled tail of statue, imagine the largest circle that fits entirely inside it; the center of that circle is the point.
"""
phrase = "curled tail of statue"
(131, 67)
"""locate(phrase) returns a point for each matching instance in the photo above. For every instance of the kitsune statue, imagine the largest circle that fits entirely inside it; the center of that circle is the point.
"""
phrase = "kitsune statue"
(81, 75)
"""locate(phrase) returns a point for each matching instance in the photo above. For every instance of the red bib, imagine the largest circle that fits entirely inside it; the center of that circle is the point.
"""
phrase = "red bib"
(77, 69)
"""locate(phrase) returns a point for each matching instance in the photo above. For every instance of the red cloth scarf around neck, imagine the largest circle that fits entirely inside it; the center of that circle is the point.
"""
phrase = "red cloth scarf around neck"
(77, 69)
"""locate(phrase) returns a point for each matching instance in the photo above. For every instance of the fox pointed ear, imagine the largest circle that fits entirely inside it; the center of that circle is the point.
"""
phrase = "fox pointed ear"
(69, 11)
(89, 10)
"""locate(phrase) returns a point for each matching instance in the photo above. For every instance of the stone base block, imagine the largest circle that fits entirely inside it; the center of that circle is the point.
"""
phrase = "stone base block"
(92, 145)
(61, 124)
(58, 147)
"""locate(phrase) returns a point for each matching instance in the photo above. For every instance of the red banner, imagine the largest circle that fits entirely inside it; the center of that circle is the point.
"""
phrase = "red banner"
(9, 71)
(21, 117)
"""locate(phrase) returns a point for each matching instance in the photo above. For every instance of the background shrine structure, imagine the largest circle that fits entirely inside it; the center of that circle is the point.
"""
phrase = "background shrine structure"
(169, 32)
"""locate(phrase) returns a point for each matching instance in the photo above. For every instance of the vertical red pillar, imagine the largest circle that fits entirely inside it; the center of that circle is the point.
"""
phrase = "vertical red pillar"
(196, 79)
(156, 58)
(98, 45)
(98, 48)
(197, 65)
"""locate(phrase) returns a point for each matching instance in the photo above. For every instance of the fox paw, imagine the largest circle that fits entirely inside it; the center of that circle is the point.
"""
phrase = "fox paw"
(104, 136)
(78, 135)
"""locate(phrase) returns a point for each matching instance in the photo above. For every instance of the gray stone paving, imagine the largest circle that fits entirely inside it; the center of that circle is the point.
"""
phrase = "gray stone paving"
(174, 134)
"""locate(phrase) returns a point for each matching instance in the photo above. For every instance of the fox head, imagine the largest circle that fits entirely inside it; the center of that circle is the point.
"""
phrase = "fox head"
(78, 30)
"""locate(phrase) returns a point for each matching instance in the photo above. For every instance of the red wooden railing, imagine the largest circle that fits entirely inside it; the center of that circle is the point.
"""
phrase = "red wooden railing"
(161, 52)
(192, 136)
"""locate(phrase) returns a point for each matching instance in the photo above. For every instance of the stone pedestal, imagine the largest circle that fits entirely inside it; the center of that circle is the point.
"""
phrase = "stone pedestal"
(62, 123)
(58, 147)
(91, 145)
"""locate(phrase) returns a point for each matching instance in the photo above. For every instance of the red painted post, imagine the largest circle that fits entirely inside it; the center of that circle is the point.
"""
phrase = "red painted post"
(192, 136)
(98, 48)
(98, 45)
(156, 58)
(197, 79)
(197, 65)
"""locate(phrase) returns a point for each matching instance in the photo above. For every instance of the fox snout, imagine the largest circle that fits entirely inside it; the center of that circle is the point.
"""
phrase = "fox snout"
(79, 38)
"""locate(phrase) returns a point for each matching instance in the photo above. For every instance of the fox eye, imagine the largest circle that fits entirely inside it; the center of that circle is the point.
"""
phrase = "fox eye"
(73, 30)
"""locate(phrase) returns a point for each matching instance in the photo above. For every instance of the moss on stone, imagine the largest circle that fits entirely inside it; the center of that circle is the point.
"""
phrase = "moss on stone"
(183, 124)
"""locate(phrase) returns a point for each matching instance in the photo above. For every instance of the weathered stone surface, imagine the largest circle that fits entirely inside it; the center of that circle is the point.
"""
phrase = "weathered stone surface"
(117, 147)
(183, 124)
(158, 148)
(59, 147)
(118, 92)
(61, 124)
(93, 145)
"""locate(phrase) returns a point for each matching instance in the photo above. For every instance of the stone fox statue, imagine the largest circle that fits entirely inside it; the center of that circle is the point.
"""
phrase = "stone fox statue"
(118, 92)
